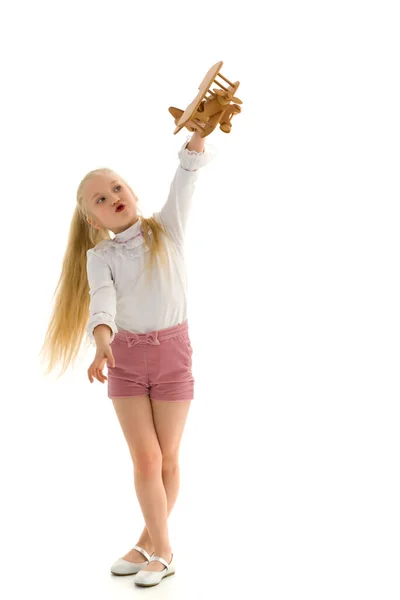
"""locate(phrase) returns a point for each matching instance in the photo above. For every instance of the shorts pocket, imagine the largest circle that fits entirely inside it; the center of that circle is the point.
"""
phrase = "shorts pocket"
(186, 339)
(188, 342)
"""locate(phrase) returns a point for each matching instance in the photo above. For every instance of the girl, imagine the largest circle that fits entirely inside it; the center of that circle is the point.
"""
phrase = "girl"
(139, 326)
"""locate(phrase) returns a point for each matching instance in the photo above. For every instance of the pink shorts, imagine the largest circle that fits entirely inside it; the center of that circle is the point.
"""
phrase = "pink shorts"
(158, 363)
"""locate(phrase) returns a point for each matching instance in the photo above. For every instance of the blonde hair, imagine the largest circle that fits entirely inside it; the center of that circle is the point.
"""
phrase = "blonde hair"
(70, 316)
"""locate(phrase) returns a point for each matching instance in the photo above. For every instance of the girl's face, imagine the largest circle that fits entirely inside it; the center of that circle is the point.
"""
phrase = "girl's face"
(103, 193)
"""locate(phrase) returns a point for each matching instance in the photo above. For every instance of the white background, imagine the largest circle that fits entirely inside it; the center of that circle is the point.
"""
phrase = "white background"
(290, 455)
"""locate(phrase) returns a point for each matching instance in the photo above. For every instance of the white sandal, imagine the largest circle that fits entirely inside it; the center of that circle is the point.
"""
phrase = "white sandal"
(148, 578)
(126, 567)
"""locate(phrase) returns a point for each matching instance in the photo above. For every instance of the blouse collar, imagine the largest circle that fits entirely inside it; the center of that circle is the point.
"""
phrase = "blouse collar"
(129, 233)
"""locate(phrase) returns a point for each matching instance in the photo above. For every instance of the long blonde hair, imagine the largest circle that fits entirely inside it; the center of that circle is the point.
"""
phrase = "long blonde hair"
(67, 326)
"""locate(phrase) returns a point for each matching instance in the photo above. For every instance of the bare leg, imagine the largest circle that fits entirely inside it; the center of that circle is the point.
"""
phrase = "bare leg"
(169, 422)
(171, 481)
(153, 501)
(153, 438)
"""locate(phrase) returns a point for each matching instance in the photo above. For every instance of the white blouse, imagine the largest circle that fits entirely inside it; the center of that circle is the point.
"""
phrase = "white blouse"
(121, 293)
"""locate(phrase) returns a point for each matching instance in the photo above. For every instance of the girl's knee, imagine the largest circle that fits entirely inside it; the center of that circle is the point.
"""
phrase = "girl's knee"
(170, 463)
(148, 462)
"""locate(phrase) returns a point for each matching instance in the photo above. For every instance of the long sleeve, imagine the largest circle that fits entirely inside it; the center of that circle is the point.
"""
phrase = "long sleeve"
(175, 212)
(103, 302)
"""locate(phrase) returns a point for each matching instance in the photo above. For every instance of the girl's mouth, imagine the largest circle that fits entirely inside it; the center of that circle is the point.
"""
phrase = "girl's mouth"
(120, 208)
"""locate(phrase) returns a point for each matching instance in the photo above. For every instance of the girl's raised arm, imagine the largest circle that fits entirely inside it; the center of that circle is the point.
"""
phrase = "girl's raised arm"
(175, 212)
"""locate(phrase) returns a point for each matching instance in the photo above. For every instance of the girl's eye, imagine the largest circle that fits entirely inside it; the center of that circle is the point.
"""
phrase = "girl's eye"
(118, 186)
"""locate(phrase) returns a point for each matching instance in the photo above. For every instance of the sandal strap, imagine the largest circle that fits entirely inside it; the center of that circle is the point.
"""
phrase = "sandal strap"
(142, 551)
(162, 560)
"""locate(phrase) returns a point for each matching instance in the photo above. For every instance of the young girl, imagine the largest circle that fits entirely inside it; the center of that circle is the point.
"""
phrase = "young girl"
(128, 293)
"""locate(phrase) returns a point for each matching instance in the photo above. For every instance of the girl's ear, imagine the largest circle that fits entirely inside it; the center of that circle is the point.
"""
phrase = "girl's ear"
(90, 223)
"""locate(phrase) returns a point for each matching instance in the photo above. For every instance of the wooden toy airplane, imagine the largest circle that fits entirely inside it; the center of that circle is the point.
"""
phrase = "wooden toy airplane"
(205, 112)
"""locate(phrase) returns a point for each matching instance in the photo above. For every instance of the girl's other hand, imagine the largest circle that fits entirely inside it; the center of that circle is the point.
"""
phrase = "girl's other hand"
(103, 352)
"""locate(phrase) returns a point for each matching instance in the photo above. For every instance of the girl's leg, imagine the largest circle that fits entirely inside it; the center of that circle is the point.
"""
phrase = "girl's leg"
(169, 423)
(136, 418)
